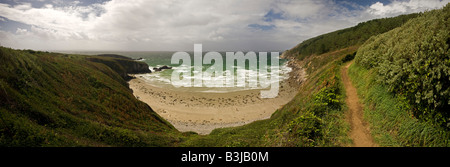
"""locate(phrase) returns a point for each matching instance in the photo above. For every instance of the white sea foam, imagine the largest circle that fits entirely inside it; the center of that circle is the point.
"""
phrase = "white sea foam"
(160, 80)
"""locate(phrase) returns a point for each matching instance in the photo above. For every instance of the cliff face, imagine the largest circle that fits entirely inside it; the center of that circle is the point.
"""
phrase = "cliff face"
(123, 66)
(134, 67)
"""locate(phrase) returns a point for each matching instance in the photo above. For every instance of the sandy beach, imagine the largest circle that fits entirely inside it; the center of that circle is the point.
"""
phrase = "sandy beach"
(203, 112)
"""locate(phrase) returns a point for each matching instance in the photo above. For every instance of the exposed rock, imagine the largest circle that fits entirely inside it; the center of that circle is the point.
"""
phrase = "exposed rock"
(165, 67)
(162, 68)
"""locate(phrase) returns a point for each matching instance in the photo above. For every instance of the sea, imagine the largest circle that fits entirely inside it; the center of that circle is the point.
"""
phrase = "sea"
(162, 79)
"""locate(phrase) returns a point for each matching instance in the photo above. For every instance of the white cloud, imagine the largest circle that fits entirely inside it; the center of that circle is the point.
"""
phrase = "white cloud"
(58, 20)
(401, 7)
(178, 24)
(21, 31)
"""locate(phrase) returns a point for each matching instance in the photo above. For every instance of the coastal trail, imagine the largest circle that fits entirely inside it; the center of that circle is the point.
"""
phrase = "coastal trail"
(360, 132)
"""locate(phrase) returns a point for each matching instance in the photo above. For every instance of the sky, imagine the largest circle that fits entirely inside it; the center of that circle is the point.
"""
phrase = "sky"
(176, 25)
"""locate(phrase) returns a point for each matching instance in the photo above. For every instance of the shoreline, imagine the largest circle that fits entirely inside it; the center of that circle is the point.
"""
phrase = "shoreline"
(202, 112)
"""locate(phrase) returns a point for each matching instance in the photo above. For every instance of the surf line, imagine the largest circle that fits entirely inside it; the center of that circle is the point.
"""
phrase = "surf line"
(199, 78)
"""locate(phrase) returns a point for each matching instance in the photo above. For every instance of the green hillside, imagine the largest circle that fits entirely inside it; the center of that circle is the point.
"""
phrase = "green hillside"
(49, 99)
(404, 75)
(414, 61)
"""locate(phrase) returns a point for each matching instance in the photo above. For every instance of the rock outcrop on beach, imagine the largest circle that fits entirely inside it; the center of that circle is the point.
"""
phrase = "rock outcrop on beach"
(298, 73)
(162, 68)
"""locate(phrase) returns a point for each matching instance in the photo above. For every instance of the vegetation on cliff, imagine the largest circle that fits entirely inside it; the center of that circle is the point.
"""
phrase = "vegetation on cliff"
(121, 64)
(413, 61)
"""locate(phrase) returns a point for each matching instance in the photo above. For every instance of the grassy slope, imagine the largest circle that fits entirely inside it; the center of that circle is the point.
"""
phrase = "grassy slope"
(391, 124)
(50, 99)
(394, 69)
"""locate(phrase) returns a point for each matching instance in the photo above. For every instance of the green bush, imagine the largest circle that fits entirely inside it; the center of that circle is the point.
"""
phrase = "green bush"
(328, 98)
(348, 57)
(307, 126)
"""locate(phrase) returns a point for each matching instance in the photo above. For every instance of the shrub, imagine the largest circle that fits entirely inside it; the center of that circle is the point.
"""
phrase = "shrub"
(348, 57)
(307, 126)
